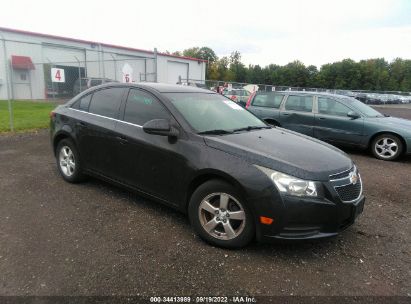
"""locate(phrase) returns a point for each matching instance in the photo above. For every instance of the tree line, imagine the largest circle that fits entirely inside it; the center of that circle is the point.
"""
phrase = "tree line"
(369, 74)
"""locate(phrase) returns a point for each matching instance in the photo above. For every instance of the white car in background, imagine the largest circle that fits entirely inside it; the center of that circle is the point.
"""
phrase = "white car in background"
(240, 96)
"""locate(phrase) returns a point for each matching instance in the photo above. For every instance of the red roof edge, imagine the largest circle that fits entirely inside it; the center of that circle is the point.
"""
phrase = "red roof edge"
(22, 63)
(5, 29)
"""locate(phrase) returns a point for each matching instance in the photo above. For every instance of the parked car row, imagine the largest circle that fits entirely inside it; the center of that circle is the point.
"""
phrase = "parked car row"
(377, 98)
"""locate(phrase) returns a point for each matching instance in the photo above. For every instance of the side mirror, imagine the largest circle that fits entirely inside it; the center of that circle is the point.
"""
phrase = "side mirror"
(160, 127)
(353, 115)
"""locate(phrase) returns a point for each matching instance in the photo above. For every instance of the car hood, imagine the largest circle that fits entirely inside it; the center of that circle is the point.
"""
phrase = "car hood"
(285, 151)
(394, 122)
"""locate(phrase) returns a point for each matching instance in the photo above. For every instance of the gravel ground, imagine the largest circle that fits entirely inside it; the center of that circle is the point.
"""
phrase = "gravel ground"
(95, 239)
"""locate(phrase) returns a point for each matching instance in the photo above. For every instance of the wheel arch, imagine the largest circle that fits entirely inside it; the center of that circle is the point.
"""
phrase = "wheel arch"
(59, 137)
(207, 175)
(404, 144)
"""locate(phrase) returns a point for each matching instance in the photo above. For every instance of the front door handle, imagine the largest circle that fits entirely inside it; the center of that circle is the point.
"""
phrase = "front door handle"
(122, 140)
(321, 118)
(285, 114)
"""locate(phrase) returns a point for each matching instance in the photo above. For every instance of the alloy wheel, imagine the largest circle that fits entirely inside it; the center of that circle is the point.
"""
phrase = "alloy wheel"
(386, 147)
(67, 161)
(222, 216)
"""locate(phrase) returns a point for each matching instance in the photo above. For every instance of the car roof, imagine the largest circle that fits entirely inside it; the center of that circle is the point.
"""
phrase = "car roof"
(162, 87)
(306, 93)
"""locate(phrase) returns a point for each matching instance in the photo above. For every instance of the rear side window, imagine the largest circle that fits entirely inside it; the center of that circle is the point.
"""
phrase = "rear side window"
(299, 103)
(106, 102)
(268, 100)
(142, 107)
(83, 103)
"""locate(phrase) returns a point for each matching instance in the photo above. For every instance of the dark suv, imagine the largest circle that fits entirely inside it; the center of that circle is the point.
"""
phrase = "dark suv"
(205, 155)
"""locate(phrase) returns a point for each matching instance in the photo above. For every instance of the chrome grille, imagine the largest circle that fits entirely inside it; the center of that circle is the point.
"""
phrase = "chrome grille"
(340, 175)
(348, 188)
(349, 192)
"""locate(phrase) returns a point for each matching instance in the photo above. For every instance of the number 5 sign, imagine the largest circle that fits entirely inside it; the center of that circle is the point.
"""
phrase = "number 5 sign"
(57, 75)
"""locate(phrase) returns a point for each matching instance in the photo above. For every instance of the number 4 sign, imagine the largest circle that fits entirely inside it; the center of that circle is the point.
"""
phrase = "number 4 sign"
(57, 75)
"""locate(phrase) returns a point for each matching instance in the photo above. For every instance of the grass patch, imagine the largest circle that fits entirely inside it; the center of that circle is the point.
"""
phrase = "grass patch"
(28, 115)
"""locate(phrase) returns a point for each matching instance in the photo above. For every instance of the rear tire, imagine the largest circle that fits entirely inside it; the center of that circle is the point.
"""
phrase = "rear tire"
(68, 161)
(387, 147)
(220, 216)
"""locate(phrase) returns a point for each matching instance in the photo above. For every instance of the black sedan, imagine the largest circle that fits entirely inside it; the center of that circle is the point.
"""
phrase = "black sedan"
(197, 151)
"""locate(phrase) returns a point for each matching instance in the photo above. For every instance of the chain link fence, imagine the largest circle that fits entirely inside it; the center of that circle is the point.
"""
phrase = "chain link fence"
(56, 73)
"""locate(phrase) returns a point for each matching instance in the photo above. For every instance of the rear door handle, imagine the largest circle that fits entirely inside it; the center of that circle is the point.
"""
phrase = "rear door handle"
(285, 114)
(122, 140)
(321, 118)
(81, 124)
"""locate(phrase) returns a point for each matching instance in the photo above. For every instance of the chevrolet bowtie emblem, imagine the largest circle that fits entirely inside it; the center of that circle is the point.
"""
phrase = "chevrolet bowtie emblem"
(353, 178)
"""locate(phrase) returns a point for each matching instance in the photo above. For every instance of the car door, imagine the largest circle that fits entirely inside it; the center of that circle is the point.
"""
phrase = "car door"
(334, 126)
(96, 130)
(150, 163)
(266, 105)
(297, 114)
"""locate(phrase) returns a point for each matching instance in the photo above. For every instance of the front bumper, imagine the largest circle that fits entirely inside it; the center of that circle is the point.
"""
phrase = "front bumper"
(313, 219)
(298, 218)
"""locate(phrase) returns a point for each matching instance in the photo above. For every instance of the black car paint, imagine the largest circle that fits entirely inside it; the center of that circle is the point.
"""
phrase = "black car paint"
(169, 169)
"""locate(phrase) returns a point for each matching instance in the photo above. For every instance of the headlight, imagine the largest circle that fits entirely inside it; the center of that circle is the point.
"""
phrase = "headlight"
(290, 184)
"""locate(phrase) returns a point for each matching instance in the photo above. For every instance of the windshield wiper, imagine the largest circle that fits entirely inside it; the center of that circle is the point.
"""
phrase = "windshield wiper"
(249, 128)
(215, 132)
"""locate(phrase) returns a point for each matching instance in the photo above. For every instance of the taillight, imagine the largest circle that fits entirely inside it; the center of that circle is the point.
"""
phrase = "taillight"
(249, 100)
(233, 98)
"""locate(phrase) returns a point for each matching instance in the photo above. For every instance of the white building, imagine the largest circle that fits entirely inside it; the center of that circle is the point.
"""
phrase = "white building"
(26, 60)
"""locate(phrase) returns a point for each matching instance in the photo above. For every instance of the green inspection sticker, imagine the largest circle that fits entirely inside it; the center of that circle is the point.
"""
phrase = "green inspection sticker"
(142, 99)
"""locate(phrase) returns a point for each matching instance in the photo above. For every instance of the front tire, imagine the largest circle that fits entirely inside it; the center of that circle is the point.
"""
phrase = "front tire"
(68, 161)
(387, 147)
(220, 215)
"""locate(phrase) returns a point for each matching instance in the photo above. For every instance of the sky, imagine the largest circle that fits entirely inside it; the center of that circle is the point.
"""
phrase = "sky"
(312, 31)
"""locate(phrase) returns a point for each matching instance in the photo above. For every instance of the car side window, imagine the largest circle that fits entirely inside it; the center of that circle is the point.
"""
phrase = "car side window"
(83, 103)
(268, 100)
(106, 102)
(142, 107)
(299, 103)
(332, 107)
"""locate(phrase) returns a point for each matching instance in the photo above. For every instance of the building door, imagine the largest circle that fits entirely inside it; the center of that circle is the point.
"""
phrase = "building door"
(176, 71)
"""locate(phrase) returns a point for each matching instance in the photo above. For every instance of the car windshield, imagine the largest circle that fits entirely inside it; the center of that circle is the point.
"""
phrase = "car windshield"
(363, 108)
(213, 112)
